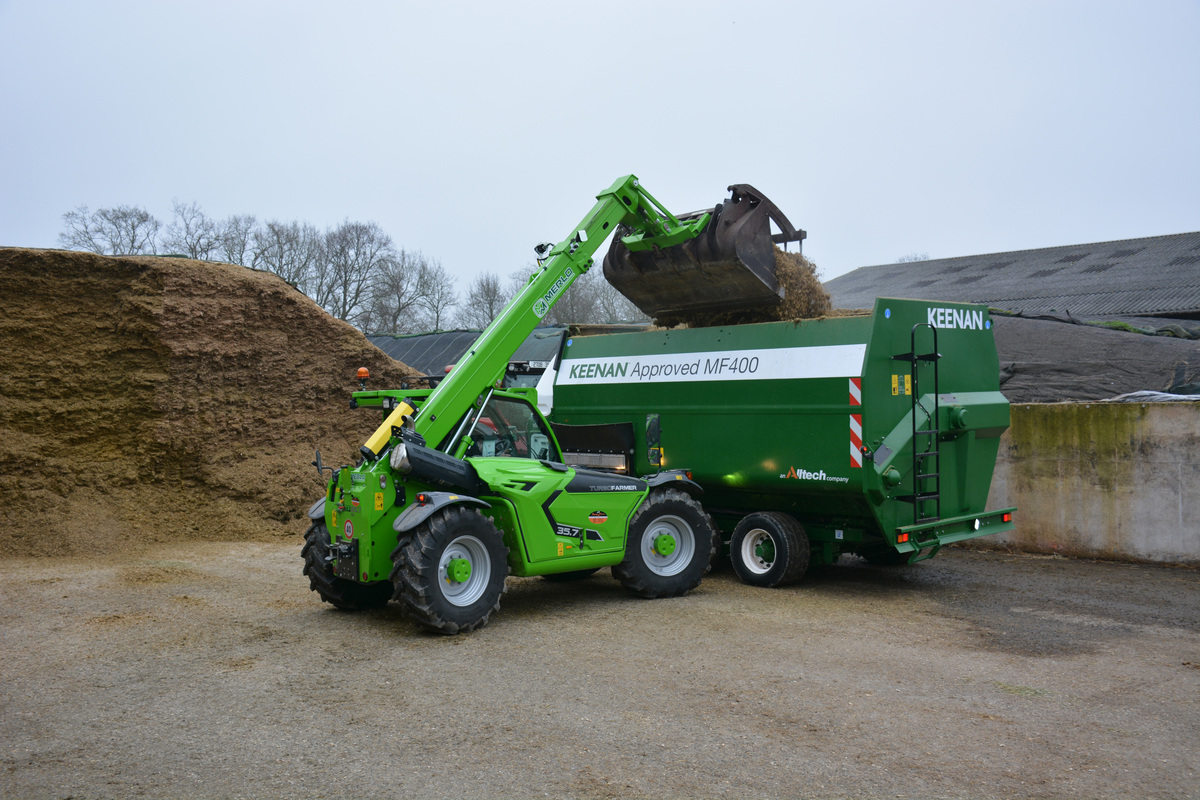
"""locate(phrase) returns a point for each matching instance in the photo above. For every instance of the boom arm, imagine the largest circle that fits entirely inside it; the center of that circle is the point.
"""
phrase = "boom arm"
(623, 203)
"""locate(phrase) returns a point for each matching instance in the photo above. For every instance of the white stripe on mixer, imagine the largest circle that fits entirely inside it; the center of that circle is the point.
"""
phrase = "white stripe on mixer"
(781, 363)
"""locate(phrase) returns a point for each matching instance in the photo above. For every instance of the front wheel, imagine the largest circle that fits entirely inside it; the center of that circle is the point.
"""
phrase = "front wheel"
(769, 549)
(449, 573)
(670, 546)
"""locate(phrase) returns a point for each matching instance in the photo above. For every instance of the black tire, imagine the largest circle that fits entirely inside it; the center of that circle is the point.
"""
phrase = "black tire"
(424, 559)
(649, 571)
(338, 592)
(571, 577)
(769, 549)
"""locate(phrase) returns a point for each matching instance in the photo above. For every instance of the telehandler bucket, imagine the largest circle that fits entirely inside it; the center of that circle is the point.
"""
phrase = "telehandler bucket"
(730, 266)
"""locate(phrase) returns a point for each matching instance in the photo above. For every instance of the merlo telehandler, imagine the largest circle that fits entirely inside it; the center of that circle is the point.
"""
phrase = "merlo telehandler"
(465, 483)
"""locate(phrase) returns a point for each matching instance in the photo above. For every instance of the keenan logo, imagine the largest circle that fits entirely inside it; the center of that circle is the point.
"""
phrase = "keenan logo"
(962, 318)
(541, 306)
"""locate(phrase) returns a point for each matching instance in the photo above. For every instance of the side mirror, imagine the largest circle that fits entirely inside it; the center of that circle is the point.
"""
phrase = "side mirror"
(653, 440)
(320, 467)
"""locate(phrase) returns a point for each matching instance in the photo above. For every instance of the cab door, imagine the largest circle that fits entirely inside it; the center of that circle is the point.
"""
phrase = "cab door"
(561, 512)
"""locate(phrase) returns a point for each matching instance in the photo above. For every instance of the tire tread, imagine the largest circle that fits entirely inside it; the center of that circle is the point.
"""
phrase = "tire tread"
(633, 574)
(415, 571)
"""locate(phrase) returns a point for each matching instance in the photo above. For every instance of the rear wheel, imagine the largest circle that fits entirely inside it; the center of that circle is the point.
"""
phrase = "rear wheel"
(339, 592)
(670, 546)
(769, 549)
(449, 573)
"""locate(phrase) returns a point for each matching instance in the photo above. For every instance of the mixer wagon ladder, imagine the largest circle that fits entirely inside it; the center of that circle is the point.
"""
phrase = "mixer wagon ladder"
(926, 470)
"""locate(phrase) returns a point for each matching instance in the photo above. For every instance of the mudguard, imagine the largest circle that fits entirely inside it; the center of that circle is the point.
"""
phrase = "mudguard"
(417, 513)
(676, 479)
(317, 510)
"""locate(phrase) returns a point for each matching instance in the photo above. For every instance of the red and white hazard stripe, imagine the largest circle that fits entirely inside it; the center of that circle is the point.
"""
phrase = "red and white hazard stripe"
(856, 423)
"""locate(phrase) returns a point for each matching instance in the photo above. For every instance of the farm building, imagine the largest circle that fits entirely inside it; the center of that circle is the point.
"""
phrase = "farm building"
(1158, 276)
(1084, 322)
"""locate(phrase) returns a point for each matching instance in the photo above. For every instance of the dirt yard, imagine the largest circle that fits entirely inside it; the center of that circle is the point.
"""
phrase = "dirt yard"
(205, 669)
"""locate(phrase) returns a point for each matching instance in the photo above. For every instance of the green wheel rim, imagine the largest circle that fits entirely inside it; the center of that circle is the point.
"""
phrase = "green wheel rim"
(466, 558)
(676, 529)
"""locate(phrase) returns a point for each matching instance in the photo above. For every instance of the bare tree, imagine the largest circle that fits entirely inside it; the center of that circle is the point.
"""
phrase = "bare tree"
(119, 231)
(236, 236)
(191, 232)
(395, 301)
(518, 278)
(436, 290)
(355, 253)
(612, 306)
(353, 271)
(292, 251)
(912, 257)
(486, 298)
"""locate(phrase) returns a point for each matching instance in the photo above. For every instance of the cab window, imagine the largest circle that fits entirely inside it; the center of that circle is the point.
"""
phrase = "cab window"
(509, 427)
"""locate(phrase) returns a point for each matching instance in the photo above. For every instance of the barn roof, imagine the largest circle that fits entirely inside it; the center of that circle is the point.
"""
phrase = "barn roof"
(431, 353)
(1153, 276)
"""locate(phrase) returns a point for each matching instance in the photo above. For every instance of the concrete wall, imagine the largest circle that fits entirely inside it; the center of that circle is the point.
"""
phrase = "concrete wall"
(1107, 480)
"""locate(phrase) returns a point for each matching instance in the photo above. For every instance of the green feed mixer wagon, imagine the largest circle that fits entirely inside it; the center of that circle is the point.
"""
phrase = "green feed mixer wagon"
(873, 434)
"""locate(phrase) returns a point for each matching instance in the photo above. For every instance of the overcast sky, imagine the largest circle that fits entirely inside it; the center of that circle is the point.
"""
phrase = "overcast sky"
(472, 131)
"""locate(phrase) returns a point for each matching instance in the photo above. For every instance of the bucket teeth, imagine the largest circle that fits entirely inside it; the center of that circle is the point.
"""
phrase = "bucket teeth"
(728, 267)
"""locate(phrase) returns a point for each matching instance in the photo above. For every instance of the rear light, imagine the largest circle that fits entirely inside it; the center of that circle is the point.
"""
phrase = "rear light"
(1006, 518)
(422, 498)
(902, 538)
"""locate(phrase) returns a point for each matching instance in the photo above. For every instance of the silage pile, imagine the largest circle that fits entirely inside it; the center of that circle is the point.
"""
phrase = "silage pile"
(804, 298)
(152, 399)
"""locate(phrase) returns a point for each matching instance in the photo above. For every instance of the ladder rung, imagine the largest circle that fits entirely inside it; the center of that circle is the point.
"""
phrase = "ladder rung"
(922, 479)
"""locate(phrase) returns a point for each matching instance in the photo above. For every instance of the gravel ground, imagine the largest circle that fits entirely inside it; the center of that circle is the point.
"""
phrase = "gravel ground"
(210, 670)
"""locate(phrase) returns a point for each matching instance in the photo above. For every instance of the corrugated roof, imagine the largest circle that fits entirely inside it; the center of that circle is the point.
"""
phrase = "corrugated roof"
(428, 352)
(1157, 275)
(431, 353)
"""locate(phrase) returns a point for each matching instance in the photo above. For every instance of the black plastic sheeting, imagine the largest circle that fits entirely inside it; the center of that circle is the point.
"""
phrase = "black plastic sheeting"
(1057, 358)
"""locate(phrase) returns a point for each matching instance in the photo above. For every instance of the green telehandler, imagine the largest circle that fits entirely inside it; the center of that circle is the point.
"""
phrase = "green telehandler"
(465, 483)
